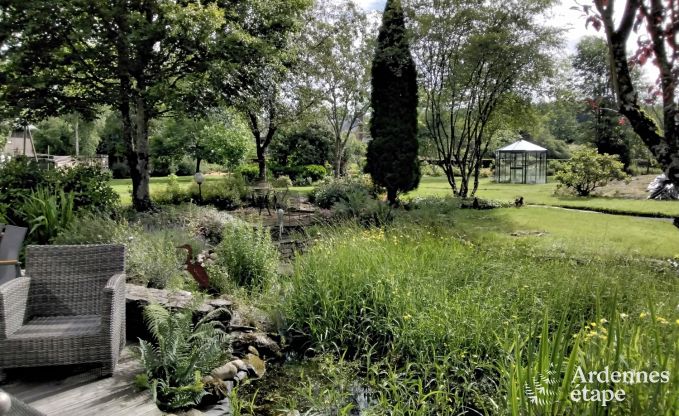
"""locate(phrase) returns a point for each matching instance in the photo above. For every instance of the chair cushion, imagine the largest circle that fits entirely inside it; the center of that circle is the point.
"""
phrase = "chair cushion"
(59, 326)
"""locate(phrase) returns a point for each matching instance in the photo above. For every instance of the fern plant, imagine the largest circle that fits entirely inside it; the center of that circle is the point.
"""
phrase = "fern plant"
(180, 354)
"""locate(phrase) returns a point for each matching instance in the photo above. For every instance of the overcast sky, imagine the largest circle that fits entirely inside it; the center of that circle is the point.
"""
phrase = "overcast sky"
(562, 17)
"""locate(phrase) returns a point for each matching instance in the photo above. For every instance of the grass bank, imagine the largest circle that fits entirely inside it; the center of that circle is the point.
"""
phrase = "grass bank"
(442, 323)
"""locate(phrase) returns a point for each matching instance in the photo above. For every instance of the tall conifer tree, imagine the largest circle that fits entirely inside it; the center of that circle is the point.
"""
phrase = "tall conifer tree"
(392, 153)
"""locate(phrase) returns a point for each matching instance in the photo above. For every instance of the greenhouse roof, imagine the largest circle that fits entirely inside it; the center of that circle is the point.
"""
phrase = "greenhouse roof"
(522, 146)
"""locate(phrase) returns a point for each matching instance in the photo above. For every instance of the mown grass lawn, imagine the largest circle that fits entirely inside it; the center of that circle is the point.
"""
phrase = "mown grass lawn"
(124, 186)
(563, 231)
(544, 195)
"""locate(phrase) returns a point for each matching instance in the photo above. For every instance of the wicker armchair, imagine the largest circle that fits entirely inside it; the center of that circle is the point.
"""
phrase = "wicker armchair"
(68, 309)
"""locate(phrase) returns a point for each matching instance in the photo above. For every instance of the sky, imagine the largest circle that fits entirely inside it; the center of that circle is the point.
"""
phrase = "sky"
(571, 20)
(561, 16)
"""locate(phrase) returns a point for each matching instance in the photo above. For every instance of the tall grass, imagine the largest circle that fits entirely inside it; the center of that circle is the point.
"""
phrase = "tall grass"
(432, 317)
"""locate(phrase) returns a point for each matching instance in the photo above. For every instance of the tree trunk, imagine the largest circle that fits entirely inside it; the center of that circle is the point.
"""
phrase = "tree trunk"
(391, 196)
(198, 160)
(338, 162)
(141, 197)
(261, 162)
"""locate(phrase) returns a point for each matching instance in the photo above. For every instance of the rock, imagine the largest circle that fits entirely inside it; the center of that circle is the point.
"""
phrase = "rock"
(241, 376)
(222, 408)
(255, 365)
(229, 385)
(226, 372)
(193, 412)
(252, 350)
(137, 297)
(267, 347)
(240, 365)
(221, 303)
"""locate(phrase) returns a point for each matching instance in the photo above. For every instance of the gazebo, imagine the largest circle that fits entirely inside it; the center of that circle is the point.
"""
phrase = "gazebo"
(521, 162)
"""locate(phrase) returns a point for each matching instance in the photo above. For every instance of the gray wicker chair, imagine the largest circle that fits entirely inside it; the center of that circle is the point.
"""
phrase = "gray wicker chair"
(68, 309)
(10, 246)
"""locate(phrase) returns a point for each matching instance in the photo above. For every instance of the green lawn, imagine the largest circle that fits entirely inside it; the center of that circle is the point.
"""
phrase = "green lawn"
(562, 231)
(544, 195)
(124, 186)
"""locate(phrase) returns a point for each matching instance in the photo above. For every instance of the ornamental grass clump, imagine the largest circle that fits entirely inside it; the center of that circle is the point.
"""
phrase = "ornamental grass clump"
(422, 306)
(247, 255)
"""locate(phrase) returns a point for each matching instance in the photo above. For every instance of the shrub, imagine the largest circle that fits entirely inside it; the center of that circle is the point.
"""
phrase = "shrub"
(186, 167)
(173, 193)
(152, 257)
(282, 182)
(247, 254)
(18, 177)
(334, 190)
(216, 193)
(91, 186)
(486, 173)
(315, 172)
(432, 170)
(249, 172)
(199, 221)
(120, 170)
(588, 170)
(89, 228)
(180, 354)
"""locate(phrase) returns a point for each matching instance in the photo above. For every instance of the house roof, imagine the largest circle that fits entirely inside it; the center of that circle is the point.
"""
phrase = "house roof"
(522, 146)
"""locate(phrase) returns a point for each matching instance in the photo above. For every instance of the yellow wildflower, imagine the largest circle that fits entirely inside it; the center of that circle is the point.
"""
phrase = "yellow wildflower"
(661, 320)
(642, 315)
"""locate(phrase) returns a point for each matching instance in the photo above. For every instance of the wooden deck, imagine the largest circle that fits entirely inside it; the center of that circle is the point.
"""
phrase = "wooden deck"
(81, 392)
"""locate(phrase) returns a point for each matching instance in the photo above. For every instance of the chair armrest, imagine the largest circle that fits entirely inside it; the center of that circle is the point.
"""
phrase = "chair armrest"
(13, 301)
(8, 262)
(113, 313)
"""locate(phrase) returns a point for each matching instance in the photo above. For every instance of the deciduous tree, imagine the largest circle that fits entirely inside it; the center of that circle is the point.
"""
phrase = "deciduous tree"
(470, 57)
(143, 58)
(658, 22)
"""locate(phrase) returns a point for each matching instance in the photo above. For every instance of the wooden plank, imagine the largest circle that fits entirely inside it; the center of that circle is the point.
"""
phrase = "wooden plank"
(83, 392)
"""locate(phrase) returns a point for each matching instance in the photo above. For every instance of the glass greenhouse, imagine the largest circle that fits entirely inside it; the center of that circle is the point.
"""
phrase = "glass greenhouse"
(521, 162)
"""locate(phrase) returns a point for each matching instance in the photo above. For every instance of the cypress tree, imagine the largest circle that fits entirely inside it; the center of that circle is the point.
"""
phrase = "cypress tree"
(392, 153)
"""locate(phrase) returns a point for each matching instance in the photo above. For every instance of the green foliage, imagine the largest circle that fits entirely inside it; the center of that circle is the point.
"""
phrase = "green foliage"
(547, 370)
(402, 287)
(47, 214)
(17, 178)
(200, 221)
(59, 134)
(333, 190)
(249, 172)
(308, 145)
(180, 354)
(392, 152)
(315, 172)
(222, 138)
(91, 187)
(588, 170)
(247, 255)
(226, 194)
(152, 257)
